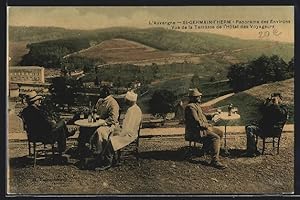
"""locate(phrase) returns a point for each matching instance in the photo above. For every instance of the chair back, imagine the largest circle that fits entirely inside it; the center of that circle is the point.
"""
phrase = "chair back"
(276, 129)
(31, 135)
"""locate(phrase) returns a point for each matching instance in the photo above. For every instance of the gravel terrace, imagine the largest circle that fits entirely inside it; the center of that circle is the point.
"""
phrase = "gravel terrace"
(163, 170)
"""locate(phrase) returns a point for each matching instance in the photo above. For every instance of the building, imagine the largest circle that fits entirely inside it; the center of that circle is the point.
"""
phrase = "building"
(14, 90)
(28, 78)
(26, 74)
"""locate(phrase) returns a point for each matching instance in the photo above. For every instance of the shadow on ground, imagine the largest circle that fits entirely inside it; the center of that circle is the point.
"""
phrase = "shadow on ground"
(27, 161)
(186, 153)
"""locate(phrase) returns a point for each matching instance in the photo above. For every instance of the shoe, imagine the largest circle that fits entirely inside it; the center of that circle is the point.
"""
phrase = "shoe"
(102, 168)
(115, 162)
(218, 165)
(251, 154)
(87, 164)
(81, 165)
(224, 152)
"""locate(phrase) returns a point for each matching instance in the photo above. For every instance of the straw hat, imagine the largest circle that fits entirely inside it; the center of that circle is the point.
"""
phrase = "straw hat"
(32, 96)
(131, 96)
(194, 92)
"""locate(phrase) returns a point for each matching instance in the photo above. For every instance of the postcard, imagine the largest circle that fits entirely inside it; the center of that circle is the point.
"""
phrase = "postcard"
(150, 100)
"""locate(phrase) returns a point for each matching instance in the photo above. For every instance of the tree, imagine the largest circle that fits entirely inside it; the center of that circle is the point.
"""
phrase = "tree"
(291, 67)
(195, 81)
(259, 71)
(63, 90)
(97, 82)
(162, 102)
(154, 70)
(237, 76)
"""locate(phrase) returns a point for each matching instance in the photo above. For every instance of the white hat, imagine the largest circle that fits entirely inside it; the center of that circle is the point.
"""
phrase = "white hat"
(131, 96)
(32, 96)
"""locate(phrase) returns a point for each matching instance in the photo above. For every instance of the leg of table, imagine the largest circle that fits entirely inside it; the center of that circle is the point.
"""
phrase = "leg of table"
(226, 152)
(225, 134)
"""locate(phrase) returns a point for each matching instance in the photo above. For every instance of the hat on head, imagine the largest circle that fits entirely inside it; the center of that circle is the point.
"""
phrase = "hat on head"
(32, 96)
(131, 96)
(194, 92)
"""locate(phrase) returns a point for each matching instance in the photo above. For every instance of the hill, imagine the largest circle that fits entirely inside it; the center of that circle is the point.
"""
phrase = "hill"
(33, 34)
(222, 48)
(249, 100)
(122, 51)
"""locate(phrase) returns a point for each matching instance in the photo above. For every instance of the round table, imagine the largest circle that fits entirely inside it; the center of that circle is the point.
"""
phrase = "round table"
(86, 130)
(227, 120)
(85, 123)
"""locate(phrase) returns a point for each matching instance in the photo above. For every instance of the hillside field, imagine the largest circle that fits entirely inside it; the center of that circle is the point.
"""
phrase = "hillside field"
(122, 51)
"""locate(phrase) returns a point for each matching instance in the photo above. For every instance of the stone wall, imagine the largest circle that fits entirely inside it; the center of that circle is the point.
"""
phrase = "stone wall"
(26, 74)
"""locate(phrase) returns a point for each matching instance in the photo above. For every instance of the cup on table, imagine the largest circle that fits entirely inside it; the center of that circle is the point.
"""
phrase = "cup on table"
(234, 110)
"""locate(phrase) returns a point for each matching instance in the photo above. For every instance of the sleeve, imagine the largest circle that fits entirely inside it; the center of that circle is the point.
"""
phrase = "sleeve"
(202, 123)
(113, 114)
(131, 122)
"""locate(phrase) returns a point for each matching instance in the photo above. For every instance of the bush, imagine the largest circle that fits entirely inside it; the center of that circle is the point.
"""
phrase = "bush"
(63, 90)
(162, 102)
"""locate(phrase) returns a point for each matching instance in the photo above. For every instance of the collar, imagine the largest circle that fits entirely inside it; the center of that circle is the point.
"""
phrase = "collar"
(106, 98)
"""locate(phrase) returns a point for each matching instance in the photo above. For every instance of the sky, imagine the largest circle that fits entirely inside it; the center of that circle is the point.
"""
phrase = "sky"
(281, 28)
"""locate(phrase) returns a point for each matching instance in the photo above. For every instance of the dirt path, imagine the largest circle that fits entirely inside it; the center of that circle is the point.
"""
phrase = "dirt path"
(214, 101)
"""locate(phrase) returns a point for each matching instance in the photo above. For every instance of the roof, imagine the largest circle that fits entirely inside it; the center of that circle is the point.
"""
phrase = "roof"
(25, 67)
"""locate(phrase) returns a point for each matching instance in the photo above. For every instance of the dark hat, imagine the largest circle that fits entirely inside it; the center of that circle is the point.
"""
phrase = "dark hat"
(276, 94)
(194, 92)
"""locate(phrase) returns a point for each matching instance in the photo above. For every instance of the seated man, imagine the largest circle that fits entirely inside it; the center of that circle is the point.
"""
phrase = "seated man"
(197, 128)
(121, 136)
(273, 111)
(41, 126)
(108, 109)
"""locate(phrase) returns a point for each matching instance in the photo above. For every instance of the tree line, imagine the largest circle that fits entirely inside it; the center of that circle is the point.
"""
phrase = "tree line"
(264, 69)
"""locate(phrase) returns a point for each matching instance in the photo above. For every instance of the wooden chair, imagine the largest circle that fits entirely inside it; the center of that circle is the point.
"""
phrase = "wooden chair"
(36, 144)
(274, 134)
(192, 146)
(133, 147)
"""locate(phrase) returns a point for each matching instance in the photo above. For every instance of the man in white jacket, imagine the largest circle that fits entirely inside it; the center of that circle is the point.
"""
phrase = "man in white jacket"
(121, 135)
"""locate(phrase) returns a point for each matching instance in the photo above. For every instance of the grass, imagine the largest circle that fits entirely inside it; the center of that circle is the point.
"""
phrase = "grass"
(249, 100)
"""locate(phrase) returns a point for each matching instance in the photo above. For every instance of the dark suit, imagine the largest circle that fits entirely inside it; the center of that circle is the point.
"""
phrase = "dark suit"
(39, 128)
(272, 115)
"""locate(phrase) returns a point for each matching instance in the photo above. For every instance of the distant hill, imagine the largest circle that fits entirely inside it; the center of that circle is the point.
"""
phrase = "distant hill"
(222, 47)
(37, 34)
(122, 51)
(249, 100)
